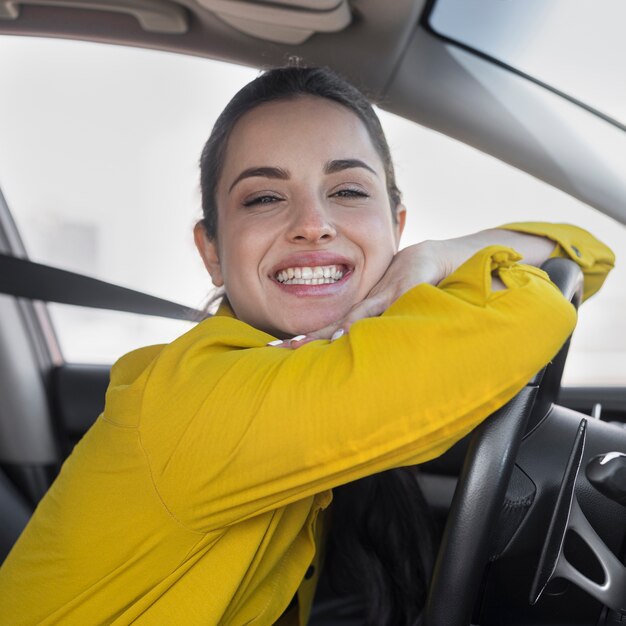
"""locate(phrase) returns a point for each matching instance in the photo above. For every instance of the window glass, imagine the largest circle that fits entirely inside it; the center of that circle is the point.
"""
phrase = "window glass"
(576, 46)
(98, 163)
(452, 189)
(99, 149)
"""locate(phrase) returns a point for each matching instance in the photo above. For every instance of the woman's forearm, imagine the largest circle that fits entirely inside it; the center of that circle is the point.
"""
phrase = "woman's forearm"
(534, 248)
(432, 261)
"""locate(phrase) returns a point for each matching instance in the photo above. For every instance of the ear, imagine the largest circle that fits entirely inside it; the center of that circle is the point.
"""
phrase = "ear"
(400, 222)
(208, 251)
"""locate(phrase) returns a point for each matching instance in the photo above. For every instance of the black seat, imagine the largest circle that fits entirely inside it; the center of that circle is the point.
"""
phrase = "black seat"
(14, 515)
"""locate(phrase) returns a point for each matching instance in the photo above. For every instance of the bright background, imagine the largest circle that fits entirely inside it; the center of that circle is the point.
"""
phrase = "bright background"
(98, 162)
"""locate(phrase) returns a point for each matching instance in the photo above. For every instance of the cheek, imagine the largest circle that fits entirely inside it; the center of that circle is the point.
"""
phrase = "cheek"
(378, 247)
(243, 252)
(378, 240)
(377, 264)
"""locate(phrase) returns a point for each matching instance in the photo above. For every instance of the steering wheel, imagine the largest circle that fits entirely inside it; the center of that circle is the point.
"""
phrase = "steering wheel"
(465, 546)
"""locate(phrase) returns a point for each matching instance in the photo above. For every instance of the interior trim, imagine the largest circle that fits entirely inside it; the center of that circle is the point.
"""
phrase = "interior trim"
(154, 16)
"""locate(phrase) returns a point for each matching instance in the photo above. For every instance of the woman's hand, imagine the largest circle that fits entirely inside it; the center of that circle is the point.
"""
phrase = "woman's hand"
(425, 262)
(429, 262)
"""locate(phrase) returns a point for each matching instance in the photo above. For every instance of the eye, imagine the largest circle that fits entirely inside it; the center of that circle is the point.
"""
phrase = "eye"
(262, 199)
(350, 193)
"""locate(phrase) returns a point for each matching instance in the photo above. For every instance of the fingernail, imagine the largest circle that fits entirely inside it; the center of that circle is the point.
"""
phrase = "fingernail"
(297, 338)
(276, 342)
(338, 333)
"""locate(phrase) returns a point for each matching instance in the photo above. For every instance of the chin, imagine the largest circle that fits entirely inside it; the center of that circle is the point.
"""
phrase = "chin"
(308, 324)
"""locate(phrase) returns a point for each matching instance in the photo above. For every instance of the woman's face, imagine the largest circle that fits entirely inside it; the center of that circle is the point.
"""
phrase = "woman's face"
(305, 228)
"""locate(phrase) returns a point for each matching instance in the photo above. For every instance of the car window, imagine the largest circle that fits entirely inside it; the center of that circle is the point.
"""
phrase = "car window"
(99, 166)
(571, 39)
(452, 189)
(99, 148)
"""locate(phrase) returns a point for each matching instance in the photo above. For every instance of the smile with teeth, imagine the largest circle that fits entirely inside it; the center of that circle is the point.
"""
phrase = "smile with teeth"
(317, 275)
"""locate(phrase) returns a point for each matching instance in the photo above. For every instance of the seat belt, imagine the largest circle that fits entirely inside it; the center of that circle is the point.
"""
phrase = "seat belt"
(35, 281)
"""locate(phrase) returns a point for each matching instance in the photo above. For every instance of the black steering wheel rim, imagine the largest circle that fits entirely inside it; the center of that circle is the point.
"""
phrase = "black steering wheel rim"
(489, 462)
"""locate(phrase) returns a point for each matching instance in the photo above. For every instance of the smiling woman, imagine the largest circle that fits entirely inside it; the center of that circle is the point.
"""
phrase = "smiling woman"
(224, 450)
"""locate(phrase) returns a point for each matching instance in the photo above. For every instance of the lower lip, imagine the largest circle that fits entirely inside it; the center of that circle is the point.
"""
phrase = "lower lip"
(327, 289)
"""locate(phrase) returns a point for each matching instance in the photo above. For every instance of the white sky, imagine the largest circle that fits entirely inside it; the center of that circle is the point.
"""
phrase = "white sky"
(98, 162)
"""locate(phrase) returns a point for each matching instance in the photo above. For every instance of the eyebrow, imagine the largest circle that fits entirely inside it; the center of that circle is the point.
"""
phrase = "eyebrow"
(267, 172)
(332, 167)
(343, 164)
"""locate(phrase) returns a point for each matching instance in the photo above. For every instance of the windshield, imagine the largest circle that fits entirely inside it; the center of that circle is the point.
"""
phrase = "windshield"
(575, 46)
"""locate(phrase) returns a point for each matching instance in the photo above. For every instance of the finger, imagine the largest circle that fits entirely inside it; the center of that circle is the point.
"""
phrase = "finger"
(370, 307)
(277, 343)
(296, 341)
(324, 333)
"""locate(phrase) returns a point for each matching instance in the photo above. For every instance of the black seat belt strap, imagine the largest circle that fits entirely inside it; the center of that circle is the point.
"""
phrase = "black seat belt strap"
(35, 281)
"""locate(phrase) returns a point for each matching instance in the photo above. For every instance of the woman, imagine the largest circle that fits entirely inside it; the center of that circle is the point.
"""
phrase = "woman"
(199, 495)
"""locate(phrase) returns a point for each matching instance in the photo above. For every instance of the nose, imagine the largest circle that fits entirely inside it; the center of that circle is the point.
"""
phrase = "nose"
(311, 223)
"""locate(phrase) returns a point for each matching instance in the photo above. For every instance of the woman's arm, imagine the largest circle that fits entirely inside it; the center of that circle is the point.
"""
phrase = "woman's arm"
(534, 249)
(431, 261)
(232, 428)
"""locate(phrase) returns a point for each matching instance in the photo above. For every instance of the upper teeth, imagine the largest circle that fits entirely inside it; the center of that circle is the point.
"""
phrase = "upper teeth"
(317, 275)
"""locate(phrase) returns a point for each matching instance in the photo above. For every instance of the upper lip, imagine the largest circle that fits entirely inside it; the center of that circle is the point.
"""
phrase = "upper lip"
(311, 259)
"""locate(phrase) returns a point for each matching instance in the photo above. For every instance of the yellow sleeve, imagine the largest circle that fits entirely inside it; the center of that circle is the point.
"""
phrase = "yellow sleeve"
(594, 257)
(232, 428)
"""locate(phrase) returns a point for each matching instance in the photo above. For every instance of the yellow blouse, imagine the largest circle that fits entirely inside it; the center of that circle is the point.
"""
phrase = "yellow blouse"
(195, 497)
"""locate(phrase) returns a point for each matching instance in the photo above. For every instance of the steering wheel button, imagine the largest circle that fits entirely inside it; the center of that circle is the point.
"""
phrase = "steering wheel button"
(607, 473)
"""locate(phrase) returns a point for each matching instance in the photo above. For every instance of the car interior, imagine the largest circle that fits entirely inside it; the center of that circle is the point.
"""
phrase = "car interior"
(531, 505)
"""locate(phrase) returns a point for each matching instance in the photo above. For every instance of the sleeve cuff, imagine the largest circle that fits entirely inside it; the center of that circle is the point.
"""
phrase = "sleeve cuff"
(573, 242)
